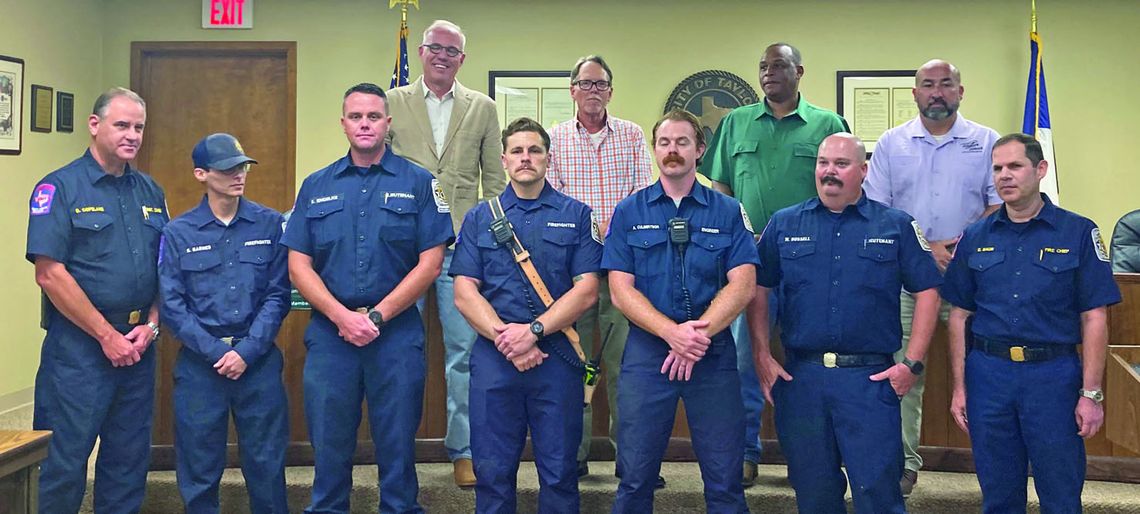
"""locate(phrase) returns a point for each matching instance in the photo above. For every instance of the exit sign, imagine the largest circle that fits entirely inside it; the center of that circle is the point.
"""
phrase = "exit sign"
(227, 14)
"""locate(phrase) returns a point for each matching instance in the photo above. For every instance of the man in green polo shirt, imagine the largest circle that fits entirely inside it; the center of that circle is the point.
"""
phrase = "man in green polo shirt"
(764, 155)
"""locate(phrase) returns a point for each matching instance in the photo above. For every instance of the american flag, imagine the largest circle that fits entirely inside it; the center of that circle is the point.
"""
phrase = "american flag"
(400, 70)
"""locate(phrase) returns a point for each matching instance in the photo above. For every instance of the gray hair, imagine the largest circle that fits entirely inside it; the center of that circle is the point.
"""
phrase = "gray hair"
(104, 100)
(447, 25)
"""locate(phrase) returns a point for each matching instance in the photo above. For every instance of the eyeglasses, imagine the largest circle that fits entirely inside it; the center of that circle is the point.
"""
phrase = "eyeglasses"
(240, 168)
(586, 85)
(436, 47)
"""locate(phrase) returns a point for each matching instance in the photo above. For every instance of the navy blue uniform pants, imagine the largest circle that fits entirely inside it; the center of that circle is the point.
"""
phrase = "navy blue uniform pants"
(1021, 413)
(203, 401)
(647, 400)
(388, 373)
(504, 404)
(80, 396)
(829, 417)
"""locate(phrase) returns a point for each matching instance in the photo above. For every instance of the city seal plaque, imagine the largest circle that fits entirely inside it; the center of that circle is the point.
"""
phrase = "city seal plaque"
(710, 95)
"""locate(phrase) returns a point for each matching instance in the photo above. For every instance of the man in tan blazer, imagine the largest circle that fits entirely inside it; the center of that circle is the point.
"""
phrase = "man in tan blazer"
(454, 133)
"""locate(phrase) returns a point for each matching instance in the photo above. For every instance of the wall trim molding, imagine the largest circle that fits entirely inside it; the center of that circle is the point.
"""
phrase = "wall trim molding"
(16, 399)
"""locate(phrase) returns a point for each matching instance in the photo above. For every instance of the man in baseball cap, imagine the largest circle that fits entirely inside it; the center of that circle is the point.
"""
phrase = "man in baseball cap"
(225, 291)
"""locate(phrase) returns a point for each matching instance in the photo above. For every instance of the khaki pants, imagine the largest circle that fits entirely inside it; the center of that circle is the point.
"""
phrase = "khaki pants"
(602, 316)
(912, 402)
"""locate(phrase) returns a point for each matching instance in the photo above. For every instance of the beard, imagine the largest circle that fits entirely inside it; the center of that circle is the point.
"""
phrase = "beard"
(939, 110)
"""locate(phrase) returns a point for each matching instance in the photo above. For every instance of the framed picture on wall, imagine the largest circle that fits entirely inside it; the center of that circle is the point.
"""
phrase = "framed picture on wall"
(41, 108)
(64, 112)
(873, 102)
(543, 96)
(11, 104)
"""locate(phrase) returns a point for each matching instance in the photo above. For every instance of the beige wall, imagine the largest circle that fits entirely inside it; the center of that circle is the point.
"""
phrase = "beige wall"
(61, 44)
(651, 47)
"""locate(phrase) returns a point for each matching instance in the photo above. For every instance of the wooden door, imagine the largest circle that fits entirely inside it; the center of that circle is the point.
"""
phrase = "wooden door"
(193, 89)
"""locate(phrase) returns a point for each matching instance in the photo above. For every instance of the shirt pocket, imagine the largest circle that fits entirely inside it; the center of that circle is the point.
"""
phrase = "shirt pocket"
(903, 171)
(746, 158)
(327, 222)
(202, 273)
(650, 256)
(498, 261)
(1058, 279)
(557, 249)
(804, 151)
(398, 221)
(92, 237)
(795, 262)
(878, 264)
(709, 253)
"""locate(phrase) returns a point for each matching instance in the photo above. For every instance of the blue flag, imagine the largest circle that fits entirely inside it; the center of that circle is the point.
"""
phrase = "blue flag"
(1036, 122)
(400, 70)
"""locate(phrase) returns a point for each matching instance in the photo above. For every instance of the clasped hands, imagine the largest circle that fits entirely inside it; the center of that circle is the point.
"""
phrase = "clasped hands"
(519, 345)
(688, 343)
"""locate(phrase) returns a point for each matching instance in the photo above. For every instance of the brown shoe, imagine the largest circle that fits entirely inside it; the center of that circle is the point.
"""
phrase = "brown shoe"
(748, 479)
(909, 478)
(464, 473)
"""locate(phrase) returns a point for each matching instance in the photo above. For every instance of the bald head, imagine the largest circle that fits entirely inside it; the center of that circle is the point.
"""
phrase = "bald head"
(937, 65)
(845, 145)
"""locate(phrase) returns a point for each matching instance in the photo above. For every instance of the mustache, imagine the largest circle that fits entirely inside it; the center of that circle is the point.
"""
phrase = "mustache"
(673, 159)
(831, 180)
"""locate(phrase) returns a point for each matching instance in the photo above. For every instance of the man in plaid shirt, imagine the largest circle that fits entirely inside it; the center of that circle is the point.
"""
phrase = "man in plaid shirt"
(599, 159)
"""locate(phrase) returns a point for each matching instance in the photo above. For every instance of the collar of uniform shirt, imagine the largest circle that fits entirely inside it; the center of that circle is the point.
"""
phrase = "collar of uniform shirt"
(862, 205)
(509, 199)
(387, 163)
(1048, 213)
(201, 215)
(918, 130)
(699, 192)
(96, 173)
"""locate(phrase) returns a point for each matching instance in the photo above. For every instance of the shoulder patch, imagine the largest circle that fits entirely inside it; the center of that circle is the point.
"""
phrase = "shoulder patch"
(1098, 244)
(440, 199)
(42, 198)
(918, 234)
(744, 216)
(595, 231)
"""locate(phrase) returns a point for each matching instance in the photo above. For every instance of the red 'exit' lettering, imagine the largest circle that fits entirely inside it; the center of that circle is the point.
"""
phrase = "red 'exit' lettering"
(226, 12)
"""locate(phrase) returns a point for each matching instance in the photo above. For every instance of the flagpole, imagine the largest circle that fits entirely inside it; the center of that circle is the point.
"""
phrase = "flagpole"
(1033, 16)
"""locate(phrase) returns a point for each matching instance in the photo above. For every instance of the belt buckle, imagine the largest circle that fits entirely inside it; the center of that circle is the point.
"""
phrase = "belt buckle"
(362, 310)
(829, 360)
(229, 340)
(1017, 353)
(134, 317)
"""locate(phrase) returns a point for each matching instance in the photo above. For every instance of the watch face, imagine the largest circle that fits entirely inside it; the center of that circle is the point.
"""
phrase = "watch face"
(536, 328)
(375, 317)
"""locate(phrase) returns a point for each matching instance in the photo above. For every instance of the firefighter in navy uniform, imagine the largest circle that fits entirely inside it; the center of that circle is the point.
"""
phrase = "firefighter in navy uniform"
(225, 293)
(1036, 281)
(525, 372)
(682, 266)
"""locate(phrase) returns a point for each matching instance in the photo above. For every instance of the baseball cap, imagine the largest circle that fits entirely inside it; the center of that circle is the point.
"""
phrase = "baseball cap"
(219, 152)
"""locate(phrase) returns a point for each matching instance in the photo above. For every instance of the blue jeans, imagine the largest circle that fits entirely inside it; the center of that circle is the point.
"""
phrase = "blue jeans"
(749, 381)
(458, 338)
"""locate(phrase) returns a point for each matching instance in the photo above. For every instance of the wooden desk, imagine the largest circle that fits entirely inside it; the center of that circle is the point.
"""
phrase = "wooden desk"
(20, 456)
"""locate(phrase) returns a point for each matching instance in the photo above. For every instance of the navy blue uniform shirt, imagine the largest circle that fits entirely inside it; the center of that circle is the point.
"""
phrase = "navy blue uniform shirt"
(841, 274)
(557, 231)
(638, 243)
(1030, 282)
(220, 280)
(104, 229)
(365, 227)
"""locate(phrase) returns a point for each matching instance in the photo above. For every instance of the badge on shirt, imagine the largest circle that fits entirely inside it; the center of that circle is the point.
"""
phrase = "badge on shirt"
(918, 233)
(1101, 251)
(441, 205)
(595, 230)
(744, 216)
(42, 197)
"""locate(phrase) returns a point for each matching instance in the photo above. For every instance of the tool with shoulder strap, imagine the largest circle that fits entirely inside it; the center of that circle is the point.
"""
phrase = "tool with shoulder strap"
(505, 235)
(594, 368)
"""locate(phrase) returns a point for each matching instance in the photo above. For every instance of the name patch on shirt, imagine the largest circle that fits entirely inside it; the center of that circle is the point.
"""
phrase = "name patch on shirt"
(710, 230)
(42, 197)
(147, 211)
(323, 199)
(561, 224)
(397, 194)
(647, 227)
(982, 249)
(797, 239)
(199, 248)
(258, 242)
(1054, 250)
(79, 210)
(880, 241)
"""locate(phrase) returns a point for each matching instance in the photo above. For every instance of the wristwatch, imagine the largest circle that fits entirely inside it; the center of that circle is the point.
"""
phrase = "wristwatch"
(915, 367)
(537, 329)
(1095, 395)
(376, 318)
(154, 328)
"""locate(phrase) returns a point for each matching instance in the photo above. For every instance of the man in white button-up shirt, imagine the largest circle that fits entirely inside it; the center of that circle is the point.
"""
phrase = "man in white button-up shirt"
(454, 133)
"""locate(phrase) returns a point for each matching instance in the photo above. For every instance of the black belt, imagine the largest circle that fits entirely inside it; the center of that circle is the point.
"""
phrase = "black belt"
(843, 360)
(1022, 353)
(135, 317)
